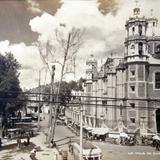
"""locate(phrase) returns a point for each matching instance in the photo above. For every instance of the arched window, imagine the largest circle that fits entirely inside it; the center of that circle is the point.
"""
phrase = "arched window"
(133, 30)
(158, 49)
(92, 76)
(154, 24)
(157, 80)
(140, 29)
(132, 46)
(140, 48)
(121, 109)
(149, 49)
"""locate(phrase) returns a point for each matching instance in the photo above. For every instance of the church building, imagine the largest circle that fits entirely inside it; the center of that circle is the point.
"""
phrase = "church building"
(125, 92)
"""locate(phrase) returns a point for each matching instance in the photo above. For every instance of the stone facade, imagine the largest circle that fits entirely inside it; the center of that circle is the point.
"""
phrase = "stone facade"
(126, 90)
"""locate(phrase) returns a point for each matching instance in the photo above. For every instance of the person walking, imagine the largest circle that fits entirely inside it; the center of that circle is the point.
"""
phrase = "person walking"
(53, 144)
(33, 154)
(157, 145)
(0, 143)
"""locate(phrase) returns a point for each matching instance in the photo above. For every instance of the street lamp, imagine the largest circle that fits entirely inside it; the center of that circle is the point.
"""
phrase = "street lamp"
(55, 61)
(39, 106)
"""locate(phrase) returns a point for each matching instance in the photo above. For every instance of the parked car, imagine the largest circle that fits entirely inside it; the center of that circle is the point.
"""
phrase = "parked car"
(26, 119)
(33, 117)
(59, 122)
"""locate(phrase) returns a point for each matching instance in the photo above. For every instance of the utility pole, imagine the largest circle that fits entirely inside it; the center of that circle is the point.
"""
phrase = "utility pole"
(59, 85)
(39, 105)
(96, 111)
(81, 132)
(96, 104)
(51, 105)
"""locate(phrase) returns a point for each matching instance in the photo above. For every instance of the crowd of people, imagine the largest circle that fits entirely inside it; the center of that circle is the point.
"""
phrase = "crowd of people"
(131, 140)
(153, 141)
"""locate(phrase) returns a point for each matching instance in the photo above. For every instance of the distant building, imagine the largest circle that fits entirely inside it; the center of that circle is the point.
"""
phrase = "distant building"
(127, 88)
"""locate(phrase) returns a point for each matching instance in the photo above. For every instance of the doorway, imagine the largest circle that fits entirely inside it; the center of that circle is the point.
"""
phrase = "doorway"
(158, 120)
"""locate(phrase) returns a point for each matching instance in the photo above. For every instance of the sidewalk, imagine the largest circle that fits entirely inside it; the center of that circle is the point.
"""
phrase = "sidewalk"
(65, 148)
(48, 153)
(43, 152)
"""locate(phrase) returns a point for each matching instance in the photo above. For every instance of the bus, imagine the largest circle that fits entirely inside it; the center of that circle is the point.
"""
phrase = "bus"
(90, 151)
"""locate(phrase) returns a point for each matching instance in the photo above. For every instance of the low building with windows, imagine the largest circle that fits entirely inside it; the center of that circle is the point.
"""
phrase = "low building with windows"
(125, 92)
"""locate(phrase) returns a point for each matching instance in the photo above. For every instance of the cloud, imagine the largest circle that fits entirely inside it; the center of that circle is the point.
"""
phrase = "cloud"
(28, 57)
(34, 6)
(49, 6)
(99, 36)
(44, 25)
(108, 6)
(98, 27)
(104, 33)
(40, 6)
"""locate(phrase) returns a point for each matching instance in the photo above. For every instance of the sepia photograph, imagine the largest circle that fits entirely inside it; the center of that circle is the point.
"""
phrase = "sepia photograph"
(79, 79)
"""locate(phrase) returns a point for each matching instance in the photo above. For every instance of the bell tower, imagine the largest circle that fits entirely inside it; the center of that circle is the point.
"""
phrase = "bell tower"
(136, 40)
(136, 62)
(91, 68)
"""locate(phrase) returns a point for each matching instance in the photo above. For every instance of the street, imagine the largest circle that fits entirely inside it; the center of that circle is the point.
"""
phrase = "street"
(113, 151)
(109, 151)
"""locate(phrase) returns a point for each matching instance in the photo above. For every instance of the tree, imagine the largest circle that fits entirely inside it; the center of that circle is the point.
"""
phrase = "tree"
(11, 97)
(80, 84)
(64, 93)
(67, 43)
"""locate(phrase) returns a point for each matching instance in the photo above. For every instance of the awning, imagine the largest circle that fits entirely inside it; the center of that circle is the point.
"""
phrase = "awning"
(100, 131)
(88, 128)
(123, 134)
(156, 137)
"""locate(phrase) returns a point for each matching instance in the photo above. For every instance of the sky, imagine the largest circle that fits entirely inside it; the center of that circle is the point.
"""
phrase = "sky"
(24, 23)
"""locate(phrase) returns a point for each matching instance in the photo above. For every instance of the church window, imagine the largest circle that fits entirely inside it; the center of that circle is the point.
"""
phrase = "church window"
(140, 29)
(132, 88)
(132, 120)
(132, 46)
(121, 109)
(157, 80)
(132, 72)
(158, 49)
(140, 48)
(132, 105)
(92, 76)
(89, 87)
(133, 29)
(154, 24)
(149, 49)
(104, 103)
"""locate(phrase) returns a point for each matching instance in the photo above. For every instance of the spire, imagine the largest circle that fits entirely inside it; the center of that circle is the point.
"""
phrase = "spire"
(136, 1)
(136, 10)
(151, 12)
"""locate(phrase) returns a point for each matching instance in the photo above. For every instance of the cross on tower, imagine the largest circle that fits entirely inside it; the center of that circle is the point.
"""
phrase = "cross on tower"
(151, 12)
(136, 1)
(136, 10)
